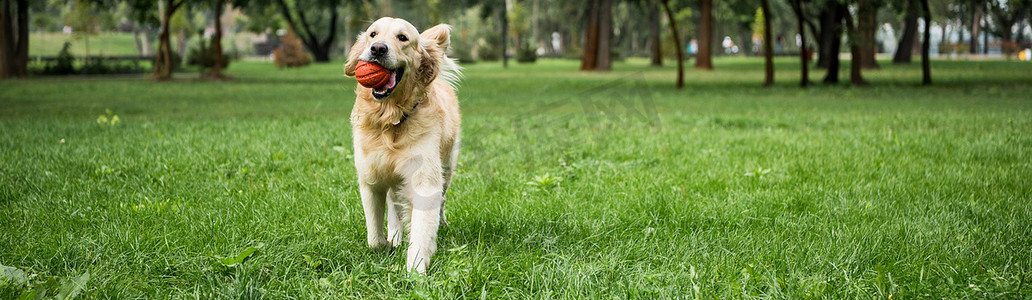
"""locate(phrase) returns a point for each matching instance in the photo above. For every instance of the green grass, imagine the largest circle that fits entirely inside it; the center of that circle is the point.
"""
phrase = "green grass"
(102, 44)
(570, 185)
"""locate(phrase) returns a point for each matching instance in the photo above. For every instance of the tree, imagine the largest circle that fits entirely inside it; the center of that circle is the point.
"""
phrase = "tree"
(598, 37)
(216, 39)
(704, 58)
(14, 38)
(830, 41)
(768, 49)
(866, 26)
(855, 45)
(906, 41)
(216, 43)
(797, 7)
(504, 15)
(82, 17)
(163, 57)
(297, 15)
(926, 70)
(1006, 14)
(977, 15)
(654, 39)
(677, 41)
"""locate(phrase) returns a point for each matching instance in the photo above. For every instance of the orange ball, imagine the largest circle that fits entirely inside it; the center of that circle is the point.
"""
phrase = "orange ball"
(372, 75)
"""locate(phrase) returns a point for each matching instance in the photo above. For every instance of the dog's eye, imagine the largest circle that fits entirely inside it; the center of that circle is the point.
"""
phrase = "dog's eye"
(372, 34)
(403, 38)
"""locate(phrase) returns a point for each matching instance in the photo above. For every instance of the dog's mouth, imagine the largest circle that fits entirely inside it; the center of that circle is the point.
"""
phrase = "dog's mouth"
(384, 91)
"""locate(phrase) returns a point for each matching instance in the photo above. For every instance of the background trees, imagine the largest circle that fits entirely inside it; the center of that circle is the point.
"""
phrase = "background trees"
(597, 32)
(14, 38)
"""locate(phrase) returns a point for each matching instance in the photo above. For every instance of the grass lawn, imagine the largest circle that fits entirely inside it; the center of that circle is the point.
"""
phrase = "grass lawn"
(570, 185)
(102, 44)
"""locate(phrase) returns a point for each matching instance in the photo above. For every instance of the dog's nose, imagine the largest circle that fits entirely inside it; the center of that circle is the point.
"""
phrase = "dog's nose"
(378, 49)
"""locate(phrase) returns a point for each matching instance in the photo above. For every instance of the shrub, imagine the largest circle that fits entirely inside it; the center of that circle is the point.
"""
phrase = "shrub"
(204, 56)
(526, 53)
(488, 47)
(65, 63)
(291, 54)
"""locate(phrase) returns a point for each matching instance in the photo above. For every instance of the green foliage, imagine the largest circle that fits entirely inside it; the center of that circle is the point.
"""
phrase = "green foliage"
(893, 191)
(203, 56)
(757, 24)
(109, 118)
(227, 264)
(14, 284)
(526, 53)
(64, 64)
(489, 47)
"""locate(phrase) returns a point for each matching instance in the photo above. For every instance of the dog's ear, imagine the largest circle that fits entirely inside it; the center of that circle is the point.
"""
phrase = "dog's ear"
(356, 50)
(439, 36)
(429, 65)
(434, 42)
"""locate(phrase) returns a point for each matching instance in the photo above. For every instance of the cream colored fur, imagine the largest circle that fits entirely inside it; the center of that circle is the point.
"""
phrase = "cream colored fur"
(406, 144)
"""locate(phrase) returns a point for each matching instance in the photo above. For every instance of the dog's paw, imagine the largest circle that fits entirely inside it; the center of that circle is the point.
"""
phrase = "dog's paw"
(379, 244)
(417, 262)
(418, 268)
(396, 239)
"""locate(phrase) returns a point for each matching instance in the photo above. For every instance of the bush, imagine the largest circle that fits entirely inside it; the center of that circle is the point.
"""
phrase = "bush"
(488, 47)
(203, 56)
(527, 53)
(103, 66)
(291, 54)
(65, 63)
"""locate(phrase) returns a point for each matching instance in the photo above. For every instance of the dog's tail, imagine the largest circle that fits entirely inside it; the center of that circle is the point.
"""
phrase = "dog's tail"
(451, 72)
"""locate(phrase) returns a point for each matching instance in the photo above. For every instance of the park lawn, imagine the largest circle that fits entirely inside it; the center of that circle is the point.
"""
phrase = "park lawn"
(569, 185)
(101, 44)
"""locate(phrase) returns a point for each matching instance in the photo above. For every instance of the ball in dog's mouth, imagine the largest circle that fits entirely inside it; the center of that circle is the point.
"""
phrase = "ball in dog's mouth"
(385, 90)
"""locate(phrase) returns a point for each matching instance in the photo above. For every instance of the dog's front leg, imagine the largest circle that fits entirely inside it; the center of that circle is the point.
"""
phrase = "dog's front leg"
(424, 191)
(373, 199)
(395, 218)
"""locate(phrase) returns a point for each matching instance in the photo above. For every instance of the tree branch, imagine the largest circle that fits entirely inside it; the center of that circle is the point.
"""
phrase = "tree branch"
(312, 38)
(333, 28)
(285, 11)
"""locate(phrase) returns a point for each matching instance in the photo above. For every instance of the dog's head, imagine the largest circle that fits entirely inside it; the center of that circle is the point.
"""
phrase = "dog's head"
(413, 59)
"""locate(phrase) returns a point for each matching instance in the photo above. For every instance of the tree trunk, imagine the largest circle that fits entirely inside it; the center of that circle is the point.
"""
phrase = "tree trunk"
(830, 38)
(797, 7)
(14, 39)
(163, 57)
(855, 77)
(7, 44)
(867, 25)
(704, 59)
(677, 40)
(21, 54)
(181, 40)
(216, 43)
(320, 50)
(906, 43)
(605, 35)
(590, 58)
(136, 38)
(768, 50)
(926, 70)
(654, 39)
(505, 35)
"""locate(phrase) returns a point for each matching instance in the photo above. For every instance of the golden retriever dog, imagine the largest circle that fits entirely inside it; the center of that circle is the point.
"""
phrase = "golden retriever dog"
(406, 134)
